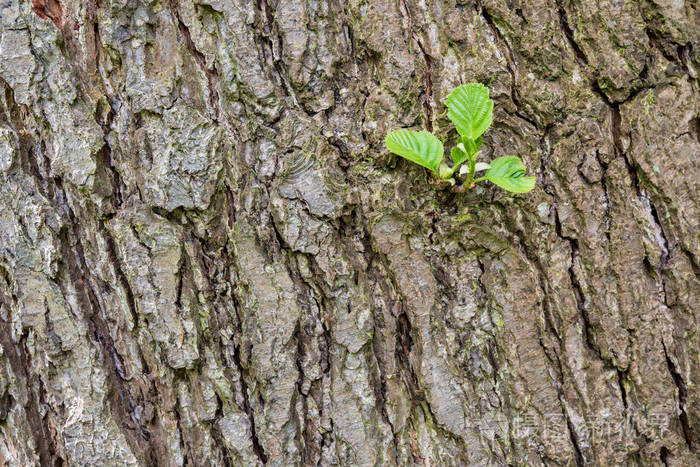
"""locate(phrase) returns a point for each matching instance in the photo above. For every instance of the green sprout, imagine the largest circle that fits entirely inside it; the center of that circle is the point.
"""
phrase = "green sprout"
(471, 111)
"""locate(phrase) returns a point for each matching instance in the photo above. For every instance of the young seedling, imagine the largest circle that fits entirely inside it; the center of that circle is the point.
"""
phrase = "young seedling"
(471, 111)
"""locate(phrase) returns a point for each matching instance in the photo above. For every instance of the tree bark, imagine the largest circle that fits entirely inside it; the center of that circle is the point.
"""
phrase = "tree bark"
(207, 257)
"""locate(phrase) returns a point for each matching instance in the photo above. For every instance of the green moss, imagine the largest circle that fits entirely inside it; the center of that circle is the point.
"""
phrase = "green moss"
(500, 324)
(648, 102)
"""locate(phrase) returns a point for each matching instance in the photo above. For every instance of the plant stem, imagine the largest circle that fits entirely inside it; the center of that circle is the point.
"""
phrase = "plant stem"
(472, 169)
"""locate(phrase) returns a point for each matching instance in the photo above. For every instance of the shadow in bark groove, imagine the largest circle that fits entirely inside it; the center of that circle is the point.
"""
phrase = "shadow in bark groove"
(21, 364)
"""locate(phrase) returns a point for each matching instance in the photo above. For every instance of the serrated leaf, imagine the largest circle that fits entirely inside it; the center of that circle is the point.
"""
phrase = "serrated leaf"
(458, 156)
(470, 109)
(421, 147)
(508, 172)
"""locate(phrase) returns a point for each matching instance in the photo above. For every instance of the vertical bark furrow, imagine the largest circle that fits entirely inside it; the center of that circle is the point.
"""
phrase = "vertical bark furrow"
(122, 401)
(19, 361)
(682, 400)
(210, 72)
(257, 447)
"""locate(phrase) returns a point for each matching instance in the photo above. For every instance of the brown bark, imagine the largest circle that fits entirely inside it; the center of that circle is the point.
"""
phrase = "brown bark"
(207, 257)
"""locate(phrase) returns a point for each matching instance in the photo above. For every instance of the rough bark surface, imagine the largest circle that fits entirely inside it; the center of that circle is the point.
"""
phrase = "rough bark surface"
(208, 258)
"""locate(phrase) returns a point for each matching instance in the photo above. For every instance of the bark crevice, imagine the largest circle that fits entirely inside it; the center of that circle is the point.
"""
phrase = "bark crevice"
(257, 447)
(428, 63)
(682, 398)
(20, 362)
(211, 74)
(122, 400)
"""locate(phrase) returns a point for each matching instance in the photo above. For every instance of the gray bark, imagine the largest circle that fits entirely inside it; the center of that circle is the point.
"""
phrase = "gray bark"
(207, 257)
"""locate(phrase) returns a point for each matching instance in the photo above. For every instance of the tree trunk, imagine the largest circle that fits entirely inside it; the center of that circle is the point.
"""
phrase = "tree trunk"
(207, 257)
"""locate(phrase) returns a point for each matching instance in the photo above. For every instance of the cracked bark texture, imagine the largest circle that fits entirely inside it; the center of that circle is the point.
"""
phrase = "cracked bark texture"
(208, 258)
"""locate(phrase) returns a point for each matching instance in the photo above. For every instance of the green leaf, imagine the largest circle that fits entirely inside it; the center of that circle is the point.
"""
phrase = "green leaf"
(445, 172)
(470, 109)
(458, 156)
(472, 146)
(421, 147)
(508, 172)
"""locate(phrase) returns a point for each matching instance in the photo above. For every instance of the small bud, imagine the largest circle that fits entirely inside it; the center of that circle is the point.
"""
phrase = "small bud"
(445, 172)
